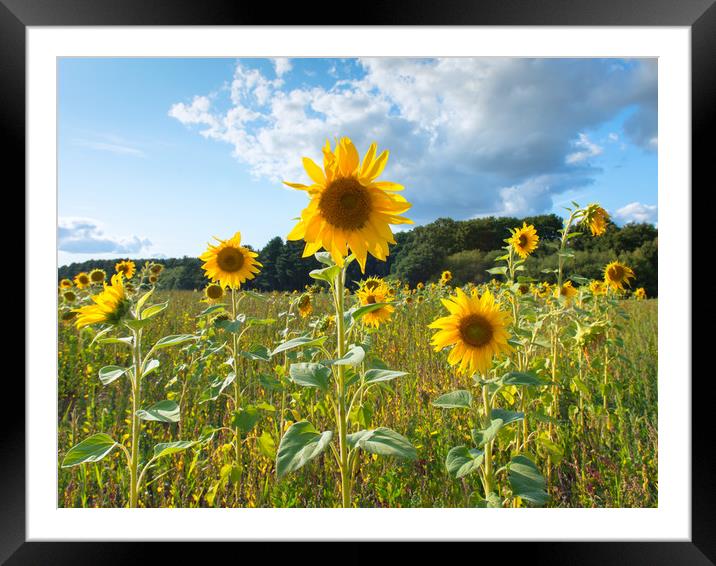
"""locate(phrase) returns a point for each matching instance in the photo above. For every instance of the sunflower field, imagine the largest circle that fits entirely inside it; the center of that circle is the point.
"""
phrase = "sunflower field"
(369, 393)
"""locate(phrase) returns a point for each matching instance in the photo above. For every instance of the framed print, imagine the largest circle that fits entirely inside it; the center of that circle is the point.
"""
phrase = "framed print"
(396, 280)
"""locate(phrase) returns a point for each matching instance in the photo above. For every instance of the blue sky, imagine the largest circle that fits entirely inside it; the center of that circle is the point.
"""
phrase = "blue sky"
(156, 156)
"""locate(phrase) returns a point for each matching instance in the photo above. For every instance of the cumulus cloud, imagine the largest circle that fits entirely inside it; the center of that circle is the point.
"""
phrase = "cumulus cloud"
(282, 65)
(637, 212)
(466, 135)
(85, 235)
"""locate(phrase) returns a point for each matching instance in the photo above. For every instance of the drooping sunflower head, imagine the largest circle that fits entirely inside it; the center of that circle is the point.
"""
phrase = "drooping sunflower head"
(567, 292)
(477, 330)
(640, 294)
(229, 263)
(82, 280)
(305, 307)
(374, 291)
(126, 268)
(68, 316)
(214, 292)
(597, 287)
(110, 306)
(97, 276)
(524, 240)
(65, 284)
(349, 209)
(69, 296)
(617, 275)
(523, 288)
(156, 268)
(595, 218)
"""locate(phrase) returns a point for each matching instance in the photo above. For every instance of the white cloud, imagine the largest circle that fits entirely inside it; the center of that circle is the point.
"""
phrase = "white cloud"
(637, 212)
(586, 148)
(464, 133)
(85, 235)
(282, 65)
(110, 143)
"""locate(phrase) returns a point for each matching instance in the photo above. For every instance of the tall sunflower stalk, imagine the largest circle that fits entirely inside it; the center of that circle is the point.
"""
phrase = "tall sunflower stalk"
(348, 210)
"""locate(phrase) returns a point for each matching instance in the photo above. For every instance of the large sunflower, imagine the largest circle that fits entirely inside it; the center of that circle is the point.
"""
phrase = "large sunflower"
(476, 327)
(126, 268)
(616, 275)
(111, 305)
(595, 217)
(371, 292)
(229, 262)
(524, 240)
(348, 207)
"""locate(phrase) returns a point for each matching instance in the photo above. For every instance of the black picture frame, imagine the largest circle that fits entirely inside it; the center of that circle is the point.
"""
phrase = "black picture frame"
(699, 15)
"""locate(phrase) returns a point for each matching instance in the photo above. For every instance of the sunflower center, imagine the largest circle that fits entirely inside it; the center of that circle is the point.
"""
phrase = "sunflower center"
(230, 259)
(522, 241)
(370, 300)
(84, 280)
(476, 330)
(214, 292)
(616, 273)
(345, 204)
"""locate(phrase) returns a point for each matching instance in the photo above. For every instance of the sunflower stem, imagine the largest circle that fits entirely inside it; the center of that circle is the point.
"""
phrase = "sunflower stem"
(136, 425)
(488, 479)
(344, 464)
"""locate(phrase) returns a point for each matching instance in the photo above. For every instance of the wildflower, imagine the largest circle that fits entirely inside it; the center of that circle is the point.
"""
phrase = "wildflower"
(229, 263)
(111, 305)
(524, 240)
(616, 275)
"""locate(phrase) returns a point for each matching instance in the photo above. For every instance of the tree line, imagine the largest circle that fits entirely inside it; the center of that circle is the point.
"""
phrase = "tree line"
(467, 248)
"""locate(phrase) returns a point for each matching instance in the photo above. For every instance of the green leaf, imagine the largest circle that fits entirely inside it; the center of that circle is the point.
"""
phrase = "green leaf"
(174, 340)
(460, 399)
(143, 299)
(245, 418)
(257, 352)
(310, 375)
(521, 378)
(482, 437)
(325, 258)
(233, 326)
(352, 357)
(150, 366)
(211, 310)
(91, 449)
(506, 416)
(168, 448)
(216, 388)
(327, 274)
(135, 324)
(163, 411)
(461, 461)
(154, 310)
(527, 481)
(379, 375)
(255, 295)
(126, 340)
(109, 373)
(300, 342)
(255, 321)
(266, 445)
(383, 441)
(301, 443)
(502, 270)
(365, 309)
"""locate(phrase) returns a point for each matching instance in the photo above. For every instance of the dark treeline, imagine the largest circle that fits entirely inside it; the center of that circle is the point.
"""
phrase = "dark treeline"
(465, 247)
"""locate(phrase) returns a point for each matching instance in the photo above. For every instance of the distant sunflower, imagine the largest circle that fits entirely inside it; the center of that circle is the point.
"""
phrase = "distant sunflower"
(69, 296)
(595, 217)
(305, 308)
(126, 268)
(445, 277)
(476, 327)
(97, 276)
(640, 294)
(598, 287)
(616, 275)
(111, 305)
(214, 292)
(65, 284)
(156, 268)
(567, 292)
(229, 263)
(524, 240)
(153, 279)
(82, 280)
(375, 291)
(349, 208)
(420, 286)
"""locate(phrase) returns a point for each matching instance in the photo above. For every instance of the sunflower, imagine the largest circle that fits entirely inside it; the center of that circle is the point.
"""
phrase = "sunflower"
(153, 279)
(69, 296)
(82, 280)
(595, 217)
(156, 268)
(445, 277)
(126, 268)
(567, 292)
(348, 207)
(616, 275)
(374, 291)
(97, 276)
(65, 284)
(213, 292)
(598, 287)
(305, 308)
(544, 290)
(420, 286)
(640, 294)
(229, 263)
(476, 327)
(111, 305)
(524, 240)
